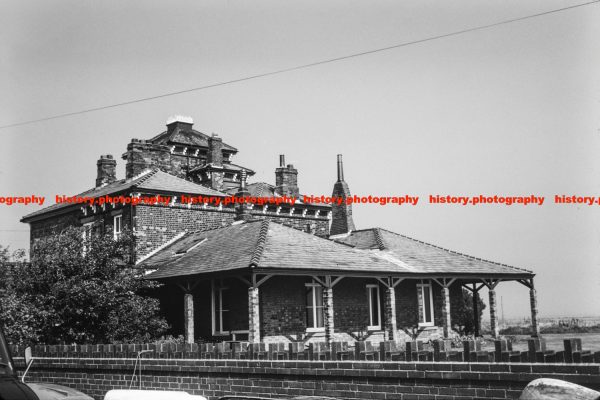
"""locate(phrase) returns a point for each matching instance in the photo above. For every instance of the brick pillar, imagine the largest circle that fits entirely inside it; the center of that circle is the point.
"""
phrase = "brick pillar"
(420, 310)
(446, 311)
(494, 314)
(475, 312)
(253, 316)
(328, 314)
(534, 311)
(188, 310)
(390, 314)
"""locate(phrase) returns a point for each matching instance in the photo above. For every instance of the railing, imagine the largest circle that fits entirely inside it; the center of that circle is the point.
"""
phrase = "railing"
(438, 350)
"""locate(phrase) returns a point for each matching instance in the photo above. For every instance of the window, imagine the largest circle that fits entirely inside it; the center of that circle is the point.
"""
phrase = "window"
(374, 307)
(314, 307)
(117, 226)
(87, 235)
(425, 296)
(220, 307)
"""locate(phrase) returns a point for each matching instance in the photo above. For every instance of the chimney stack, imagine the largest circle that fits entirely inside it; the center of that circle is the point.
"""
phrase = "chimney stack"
(242, 210)
(286, 179)
(341, 215)
(215, 150)
(107, 170)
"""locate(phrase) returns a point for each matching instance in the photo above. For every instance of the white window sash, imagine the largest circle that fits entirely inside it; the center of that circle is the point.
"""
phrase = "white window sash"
(315, 308)
(217, 309)
(117, 226)
(370, 289)
(421, 287)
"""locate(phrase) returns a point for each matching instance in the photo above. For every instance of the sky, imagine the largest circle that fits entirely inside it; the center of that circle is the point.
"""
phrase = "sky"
(509, 110)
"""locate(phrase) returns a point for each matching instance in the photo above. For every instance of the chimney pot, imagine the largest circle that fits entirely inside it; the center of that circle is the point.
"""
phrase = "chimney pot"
(340, 168)
(282, 160)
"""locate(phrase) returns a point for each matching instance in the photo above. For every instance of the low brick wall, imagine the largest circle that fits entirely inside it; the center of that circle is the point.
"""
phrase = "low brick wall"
(437, 350)
(351, 380)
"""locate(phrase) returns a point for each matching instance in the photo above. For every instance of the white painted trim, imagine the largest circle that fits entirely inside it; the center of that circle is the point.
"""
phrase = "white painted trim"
(214, 290)
(369, 288)
(420, 286)
(115, 233)
(315, 308)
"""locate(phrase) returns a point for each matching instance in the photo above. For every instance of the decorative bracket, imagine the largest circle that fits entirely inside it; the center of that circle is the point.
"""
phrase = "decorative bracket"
(475, 288)
(491, 283)
(327, 282)
(444, 282)
(188, 286)
(390, 282)
(527, 282)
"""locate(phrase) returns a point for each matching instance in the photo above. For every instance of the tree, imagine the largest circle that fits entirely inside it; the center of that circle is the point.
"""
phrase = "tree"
(462, 313)
(68, 295)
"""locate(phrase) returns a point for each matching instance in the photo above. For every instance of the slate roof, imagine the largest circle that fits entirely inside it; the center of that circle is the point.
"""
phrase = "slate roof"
(190, 137)
(152, 180)
(269, 246)
(258, 244)
(424, 257)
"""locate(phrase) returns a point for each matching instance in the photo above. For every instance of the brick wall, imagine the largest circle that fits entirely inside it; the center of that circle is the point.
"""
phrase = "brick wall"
(351, 380)
(157, 225)
(283, 308)
(50, 226)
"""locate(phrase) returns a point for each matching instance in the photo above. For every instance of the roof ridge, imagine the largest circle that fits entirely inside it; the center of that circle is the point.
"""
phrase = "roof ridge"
(143, 177)
(379, 238)
(260, 243)
(455, 252)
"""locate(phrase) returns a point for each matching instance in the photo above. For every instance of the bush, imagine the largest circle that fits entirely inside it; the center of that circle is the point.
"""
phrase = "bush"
(66, 295)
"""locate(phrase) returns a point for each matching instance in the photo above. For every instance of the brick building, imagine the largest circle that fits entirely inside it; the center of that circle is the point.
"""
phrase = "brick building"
(266, 273)
(177, 163)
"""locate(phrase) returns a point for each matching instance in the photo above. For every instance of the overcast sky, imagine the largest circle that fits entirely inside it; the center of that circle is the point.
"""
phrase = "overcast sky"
(510, 110)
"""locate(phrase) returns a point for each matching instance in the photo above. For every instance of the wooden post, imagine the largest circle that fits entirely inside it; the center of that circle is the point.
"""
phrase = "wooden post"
(475, 310)
(253, 316)
(534, 310)
(188, 309)
(494, 314)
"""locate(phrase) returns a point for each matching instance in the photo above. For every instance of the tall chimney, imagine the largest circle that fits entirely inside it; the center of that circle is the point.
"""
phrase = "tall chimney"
(107, 170)
(215, 150)
(341, 215)
(286, 179)
(340, 168)
(242, 210)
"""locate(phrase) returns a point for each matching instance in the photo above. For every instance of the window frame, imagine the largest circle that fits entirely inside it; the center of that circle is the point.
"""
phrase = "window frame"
(117, 234)
(217, 295)
(370, 287)
(420, 287)
(315, 308)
